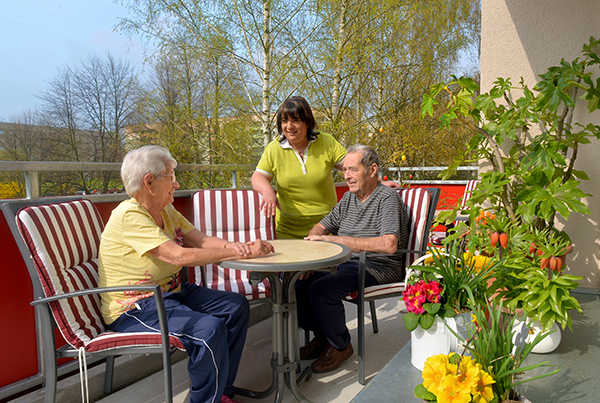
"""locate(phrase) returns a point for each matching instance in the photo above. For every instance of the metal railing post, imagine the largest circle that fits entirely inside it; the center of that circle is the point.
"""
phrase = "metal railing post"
(32, 185)
(234, 179)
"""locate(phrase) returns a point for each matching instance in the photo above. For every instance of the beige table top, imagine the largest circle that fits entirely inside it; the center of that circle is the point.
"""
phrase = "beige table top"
(295, 255)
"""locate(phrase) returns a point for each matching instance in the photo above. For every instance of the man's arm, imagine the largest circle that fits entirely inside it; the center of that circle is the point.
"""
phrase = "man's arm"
(382, 244)
(317, 230)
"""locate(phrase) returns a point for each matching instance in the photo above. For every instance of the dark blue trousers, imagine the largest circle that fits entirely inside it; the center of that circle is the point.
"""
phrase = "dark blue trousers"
(212, 326)
(320, 305)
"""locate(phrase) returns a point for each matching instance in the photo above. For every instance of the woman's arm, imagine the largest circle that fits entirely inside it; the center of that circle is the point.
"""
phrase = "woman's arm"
(262, 184)
(172, 253)
(197, 239)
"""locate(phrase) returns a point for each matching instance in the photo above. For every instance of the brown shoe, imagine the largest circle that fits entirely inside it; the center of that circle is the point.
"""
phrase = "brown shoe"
(312, 350)
(331, 359)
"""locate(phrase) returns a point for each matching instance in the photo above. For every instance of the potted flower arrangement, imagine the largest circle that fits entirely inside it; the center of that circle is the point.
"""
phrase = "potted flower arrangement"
(492, 371)
(527, 141)
(529, 273)
(445, 286)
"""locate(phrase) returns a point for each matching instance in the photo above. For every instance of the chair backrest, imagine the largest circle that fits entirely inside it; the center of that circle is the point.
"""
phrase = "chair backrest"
(62, 240)
(421, 204)
(235, 215)
(471, 185)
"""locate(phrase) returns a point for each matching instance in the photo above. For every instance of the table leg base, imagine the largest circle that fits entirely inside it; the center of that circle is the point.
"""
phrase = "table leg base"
(253, 394)
(304, 376)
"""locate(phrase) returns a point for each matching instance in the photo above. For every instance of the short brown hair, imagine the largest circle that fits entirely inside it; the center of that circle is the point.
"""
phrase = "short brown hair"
(297, 108)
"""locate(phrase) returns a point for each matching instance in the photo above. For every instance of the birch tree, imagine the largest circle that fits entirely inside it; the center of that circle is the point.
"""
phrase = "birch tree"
(256, 33)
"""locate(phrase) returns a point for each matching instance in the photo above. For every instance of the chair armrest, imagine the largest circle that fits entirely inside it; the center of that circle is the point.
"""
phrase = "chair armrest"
(158, 296)
(420, 252)
(91, 291)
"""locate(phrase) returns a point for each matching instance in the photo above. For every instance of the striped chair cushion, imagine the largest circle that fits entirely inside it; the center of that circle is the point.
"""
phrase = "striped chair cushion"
(234, 215)
(111, 340)
(63, 239)
(471, 185)
(417, 203)
(379, 290)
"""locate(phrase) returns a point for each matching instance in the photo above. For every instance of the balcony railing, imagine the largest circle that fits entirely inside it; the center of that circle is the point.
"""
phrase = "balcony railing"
(402, 172)
(31, 170)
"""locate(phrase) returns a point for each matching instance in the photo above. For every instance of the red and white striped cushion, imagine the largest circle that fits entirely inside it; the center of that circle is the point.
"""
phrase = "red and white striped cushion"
(63, 239)
(417, 203)
(378, 290)
(111, 340)
(232, 214)
(471, 185)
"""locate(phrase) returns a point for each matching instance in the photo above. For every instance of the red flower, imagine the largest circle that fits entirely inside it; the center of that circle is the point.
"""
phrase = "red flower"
(414, 296)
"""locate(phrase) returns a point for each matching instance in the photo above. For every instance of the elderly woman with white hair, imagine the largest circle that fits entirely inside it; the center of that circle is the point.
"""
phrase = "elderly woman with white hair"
(147, 241)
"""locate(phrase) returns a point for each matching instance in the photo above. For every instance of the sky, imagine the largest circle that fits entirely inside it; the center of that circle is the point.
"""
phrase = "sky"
(37, 37)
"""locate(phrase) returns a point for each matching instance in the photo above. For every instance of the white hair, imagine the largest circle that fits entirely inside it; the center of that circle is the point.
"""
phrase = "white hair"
(141, 161)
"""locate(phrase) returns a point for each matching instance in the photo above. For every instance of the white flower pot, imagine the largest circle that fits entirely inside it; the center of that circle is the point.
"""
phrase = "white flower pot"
(426, 343)
(548, 343)
(438, 339)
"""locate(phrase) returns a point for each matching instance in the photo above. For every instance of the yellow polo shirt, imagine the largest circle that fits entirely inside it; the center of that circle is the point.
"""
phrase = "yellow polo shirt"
(123, 259)
(305, 187)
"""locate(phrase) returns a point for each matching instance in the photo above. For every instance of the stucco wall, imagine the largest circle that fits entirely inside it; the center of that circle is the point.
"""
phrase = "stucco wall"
(521, 38)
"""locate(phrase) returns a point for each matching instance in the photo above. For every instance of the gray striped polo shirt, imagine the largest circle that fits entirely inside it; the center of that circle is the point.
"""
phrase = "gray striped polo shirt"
(382, 213)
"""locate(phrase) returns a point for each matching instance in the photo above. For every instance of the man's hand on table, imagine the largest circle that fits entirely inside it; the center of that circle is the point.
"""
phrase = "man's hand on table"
(318, 238)
(307, 274)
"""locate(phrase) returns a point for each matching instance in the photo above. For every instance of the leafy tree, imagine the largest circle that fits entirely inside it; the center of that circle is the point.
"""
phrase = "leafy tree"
(254, 35)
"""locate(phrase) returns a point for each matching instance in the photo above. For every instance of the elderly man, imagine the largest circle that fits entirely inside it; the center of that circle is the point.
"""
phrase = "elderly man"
(370, 217)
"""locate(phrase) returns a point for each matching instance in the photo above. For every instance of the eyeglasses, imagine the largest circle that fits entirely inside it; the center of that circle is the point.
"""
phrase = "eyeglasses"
(172, 176)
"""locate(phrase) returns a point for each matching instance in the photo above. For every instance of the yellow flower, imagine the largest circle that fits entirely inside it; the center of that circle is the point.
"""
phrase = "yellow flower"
(434, 373)
(453, 392)
(474, 320)
(429, 259)
(479, 262)
(483, 392)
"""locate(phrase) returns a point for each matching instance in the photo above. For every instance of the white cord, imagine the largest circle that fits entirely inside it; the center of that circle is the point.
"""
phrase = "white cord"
(85, 393)
(212, 355)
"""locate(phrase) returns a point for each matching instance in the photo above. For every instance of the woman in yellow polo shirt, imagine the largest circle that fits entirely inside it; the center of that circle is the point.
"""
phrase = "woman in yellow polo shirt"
(301, 160)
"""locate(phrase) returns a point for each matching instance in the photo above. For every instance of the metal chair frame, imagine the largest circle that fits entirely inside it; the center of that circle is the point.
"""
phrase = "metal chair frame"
(46, 324)
(360, 301)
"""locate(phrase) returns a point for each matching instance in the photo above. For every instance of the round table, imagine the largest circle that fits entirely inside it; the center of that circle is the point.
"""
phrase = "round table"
(290, 259)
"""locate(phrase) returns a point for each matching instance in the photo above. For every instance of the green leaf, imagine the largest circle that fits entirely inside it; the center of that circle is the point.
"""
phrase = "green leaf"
(423, 393)
(427, 105)
(426, 320)
(447, 118)
(432, 308)
(580, 175)
(411, 321)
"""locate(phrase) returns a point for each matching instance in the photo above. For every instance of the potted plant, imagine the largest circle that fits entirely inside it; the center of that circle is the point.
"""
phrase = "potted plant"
(437, 292)
(529, 274)
(526, 138)
(493, 370)
(528, 143)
